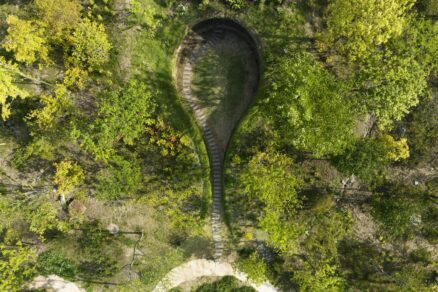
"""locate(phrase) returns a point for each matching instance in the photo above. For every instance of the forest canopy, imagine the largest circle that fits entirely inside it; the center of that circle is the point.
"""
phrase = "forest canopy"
(294, 140)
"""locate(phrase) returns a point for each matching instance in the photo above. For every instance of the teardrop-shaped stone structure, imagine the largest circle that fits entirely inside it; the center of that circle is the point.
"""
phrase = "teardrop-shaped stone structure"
(218, 72)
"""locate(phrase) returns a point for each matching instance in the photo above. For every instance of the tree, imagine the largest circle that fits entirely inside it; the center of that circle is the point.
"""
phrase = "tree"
(419, 41)
(122, 117)
(396, 208)
(390, 84)
(269, 179)
(254, 267)
(42, 216)
(26, 39)
(55, 107)
(369, 157)
(397, 150)
(324, 231)
(422, 132)
(357, 28)
(392, 80)
(308, 105)
(121, 179)
(319, 269)
(16, 266)
(8, 90)
(90, 46)
(68, 176)
(60, 17)
(323, 276)
(226, 284)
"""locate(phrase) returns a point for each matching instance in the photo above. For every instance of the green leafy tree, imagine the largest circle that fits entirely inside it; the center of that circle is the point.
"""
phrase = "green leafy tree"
(16, 266)
(390, 86)
(283, 236)
(319, 270)
(391, 81)
(8, 90)
(323, 276)
(356, 28)
(369, 157)
(254, 266)
(90, 46)
(42, 216)
(397, 208)
(428, 7)
(122, 117)
(26, 39)
(307, 104)
(99, 252)
(121, 179)
(269, 178)
(226, 284)
(368, 268)
(324, 231)
(422, 132)
(145, 14)
(419, 41)
(37, 215)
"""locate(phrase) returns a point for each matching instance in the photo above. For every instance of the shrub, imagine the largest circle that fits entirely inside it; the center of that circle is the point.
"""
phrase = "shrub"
(122, 178)
(366, 159)
(226, 284)
(394, 214)
(68, 176)
(53, 262)
(236, 4)
(255, 267)
(90, 46)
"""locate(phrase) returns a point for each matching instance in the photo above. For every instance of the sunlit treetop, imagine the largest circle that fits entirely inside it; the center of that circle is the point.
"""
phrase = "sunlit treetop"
(356, 28)
(26, 39)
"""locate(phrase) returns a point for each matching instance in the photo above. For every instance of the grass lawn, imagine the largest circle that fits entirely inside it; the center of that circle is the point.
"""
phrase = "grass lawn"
(219, 80)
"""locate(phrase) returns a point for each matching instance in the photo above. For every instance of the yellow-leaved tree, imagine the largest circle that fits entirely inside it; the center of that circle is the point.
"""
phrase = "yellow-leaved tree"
(26, 39)
(68, 176)
(8, 90)
(60, 16)
(90, 46)
(356, 28)
(56, 106)
(397, 150)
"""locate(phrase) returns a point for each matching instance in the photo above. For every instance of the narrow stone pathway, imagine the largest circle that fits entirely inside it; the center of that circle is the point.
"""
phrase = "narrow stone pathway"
(200, 46)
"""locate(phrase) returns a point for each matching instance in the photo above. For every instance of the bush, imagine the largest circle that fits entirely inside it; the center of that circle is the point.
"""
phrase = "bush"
(428, 7)
(99, 251)
(53, 262)
(98, 265)
(255, 267)
(226, 284)
(394, 214)
(236, 4)
(366, 159)
(121, 179)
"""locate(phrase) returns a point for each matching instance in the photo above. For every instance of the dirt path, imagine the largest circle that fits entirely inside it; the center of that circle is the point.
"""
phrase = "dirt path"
(198, 268)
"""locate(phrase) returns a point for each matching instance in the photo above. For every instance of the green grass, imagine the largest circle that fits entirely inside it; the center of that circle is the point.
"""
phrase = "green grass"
(218, 81)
